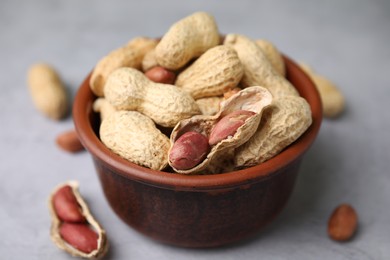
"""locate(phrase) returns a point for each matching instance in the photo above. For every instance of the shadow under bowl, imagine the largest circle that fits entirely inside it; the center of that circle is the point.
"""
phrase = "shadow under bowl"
(199, 210)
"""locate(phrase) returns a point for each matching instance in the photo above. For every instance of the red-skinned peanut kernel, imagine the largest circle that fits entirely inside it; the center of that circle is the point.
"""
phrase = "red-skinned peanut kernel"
(189, 150)
(66, 205)
(79, 236)
(228, 125)
(342, 223)
(160, 74)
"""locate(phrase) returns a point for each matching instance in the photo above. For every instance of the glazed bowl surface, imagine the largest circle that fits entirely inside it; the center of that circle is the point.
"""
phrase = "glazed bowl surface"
(197, 210)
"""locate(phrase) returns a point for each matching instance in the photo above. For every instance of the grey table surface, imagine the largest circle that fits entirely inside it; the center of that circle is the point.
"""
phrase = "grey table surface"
(348, 41)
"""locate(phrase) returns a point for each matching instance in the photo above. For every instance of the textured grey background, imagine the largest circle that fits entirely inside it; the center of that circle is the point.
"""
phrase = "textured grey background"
(348, 41)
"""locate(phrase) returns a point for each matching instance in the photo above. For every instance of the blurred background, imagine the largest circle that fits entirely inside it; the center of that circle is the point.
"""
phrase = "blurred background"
(346, 41)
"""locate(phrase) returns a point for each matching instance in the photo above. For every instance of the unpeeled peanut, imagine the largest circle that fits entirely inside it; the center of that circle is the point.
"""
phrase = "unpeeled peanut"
(342, 223)
(283, 122)
(69, 141)
(273, 55)
(130, 55)
(188, 150)
(228, 125)
(135, 137)
(218, 70)
(66, 205)
(258, 71)
(102, 106)
(160, 74)
(165, 104)
(79, 236)
(187, 39)
(47, 91)
(333, 102)
(209, 105)
(149, 61)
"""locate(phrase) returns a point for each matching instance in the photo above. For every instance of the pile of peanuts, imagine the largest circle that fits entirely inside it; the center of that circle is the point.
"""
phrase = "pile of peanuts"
(196, 101)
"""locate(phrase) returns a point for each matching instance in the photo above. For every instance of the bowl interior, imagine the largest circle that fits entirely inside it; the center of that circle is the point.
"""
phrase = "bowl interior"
(87, 124)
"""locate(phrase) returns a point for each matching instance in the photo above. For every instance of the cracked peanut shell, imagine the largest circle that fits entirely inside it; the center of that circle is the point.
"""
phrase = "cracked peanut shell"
(56, 222)
(254, 99)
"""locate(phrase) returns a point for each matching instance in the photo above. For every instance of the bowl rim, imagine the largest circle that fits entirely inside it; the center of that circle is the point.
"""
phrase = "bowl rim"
(82, 109)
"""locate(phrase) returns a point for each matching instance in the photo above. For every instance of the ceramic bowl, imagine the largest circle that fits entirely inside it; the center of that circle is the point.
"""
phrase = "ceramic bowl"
(199, 210)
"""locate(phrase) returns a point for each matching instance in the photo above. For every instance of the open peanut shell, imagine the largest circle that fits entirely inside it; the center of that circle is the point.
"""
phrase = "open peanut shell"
(102, 243)
(253, 99)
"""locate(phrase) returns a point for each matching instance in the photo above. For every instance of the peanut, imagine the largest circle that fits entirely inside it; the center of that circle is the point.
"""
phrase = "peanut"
(218, 70)
(228, 125)
(149, 61)
(273, 55)
(69, 141)
(333, 102)
(73, 228)
(342, 223)
(231, 92)
(253, 99)
(282, 123)
(79, 236)
(102, 106)
(258, 71)
(165, 104)
(66, 205)
(160, 74)
(188, 150)
(187, 39)
(135, 137)
(130, 55)
(209, 105)
(47, 91)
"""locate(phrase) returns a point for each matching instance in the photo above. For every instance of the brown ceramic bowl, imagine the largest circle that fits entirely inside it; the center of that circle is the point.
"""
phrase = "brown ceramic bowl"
(200, 210)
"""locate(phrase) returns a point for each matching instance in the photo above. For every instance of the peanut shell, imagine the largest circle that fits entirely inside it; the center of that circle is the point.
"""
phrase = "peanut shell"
(253, 99)
(130, 89)
(273, 55)
(130, 55)
(186, 39)
(135, 137)
(283, 122)
(102, 243)
(209, 105)
(218, 70)
(258, 71)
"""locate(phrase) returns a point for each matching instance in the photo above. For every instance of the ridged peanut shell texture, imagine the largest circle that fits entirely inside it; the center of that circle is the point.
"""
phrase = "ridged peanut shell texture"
(135, 137)
(254, 99)
(75, 234)
(166, 105)
(273, 55)
(218, 70)
(258, 70)
(283, 122)
(47, 91)
(130, 55)
(187, 39)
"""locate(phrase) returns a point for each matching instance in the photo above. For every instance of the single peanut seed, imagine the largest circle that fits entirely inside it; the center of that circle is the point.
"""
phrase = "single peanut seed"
(79, 236)
(342, 223)
(69, 141)
(66, 205)
(188, 150)
(161, 75)
(228, 125)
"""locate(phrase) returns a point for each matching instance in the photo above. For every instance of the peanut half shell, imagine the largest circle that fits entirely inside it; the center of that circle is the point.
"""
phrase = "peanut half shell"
(56, 222)
(253, 99)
